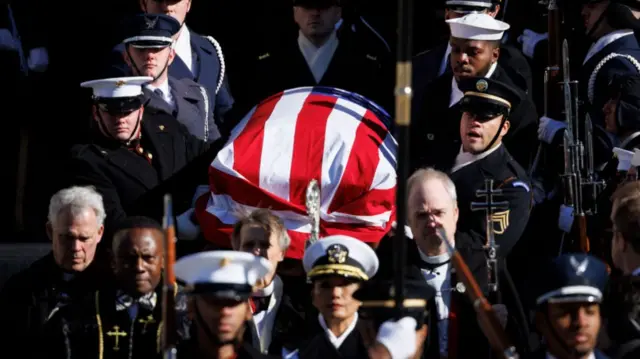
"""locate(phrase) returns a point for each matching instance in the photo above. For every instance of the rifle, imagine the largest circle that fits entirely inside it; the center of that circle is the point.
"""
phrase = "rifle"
(312, 202)
(491, 247)
(490, 324)
(402, 121)
(169, 333)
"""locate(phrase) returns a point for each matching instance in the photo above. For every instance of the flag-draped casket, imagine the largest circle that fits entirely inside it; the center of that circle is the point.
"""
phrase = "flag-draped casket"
(338, 138)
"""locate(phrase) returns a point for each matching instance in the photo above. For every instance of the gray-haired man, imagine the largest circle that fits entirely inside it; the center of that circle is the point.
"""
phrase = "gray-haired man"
(29, 298)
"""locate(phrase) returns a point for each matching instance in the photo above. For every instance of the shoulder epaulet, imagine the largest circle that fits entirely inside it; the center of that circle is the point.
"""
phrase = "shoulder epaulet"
(218, 48)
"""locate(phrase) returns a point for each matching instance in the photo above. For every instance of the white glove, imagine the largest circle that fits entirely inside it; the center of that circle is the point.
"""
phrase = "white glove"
(399, 337)
(529, 39)
(187, 230)
(7, 41)
(200, 190)
(565, 219)
(548, 128)
(407, 230)
(38, 59)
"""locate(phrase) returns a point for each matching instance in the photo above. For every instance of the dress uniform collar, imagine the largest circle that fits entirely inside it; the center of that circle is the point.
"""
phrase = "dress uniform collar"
(465, 158)
(338, 340)
(604, 41)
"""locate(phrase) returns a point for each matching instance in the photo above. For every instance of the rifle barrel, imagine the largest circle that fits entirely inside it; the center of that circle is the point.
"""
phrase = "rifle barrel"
(169, 287)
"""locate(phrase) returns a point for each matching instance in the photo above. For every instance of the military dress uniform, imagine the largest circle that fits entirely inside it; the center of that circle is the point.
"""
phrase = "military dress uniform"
(184, 99)
(569, 278)
(431, 64)
(123, 173)
(436, 128)
(223, 275)
(338, 256)
(351, 64)
(206, 73)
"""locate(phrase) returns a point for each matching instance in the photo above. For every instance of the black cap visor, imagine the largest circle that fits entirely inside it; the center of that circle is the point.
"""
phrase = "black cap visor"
(119, 105)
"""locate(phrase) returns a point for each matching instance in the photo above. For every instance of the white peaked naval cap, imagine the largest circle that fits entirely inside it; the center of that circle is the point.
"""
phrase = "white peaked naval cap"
(477, 27)
(635, 161)
(230, 274)
(341, 256)
(117, 87)
(624, 158)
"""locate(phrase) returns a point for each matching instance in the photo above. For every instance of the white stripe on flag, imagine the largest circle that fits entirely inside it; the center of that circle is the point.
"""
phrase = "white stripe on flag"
(229, 212)
(385, 176)
(340, 134)
(277, 147)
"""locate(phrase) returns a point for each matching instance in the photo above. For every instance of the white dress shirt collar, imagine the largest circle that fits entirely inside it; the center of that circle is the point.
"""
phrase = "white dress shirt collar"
(465, 158)
(183, 47)
(591, 356)
(606, 40)
(457, 95)
(337, 341)
(318, 58)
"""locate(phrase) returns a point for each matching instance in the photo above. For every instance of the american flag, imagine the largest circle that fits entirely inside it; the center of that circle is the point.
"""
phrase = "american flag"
(338, 138)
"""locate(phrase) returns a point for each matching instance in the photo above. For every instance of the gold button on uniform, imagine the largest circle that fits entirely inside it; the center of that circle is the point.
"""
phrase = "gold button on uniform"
(161, 127)
(140, 150)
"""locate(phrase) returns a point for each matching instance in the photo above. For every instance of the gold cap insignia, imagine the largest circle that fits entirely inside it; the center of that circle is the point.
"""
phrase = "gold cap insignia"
(224, 262)
(482, 85)
(337, 254)
(120, 83)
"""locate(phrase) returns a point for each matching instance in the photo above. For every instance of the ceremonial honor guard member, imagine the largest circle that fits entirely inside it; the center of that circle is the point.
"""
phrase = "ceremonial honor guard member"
(149, 50)
(199, 58)
(122, 319)
(475, 42)
(429, 65)
(336, 266)
(486, 119)
(133, 150)
(221, 283)
(568, 307)
(319, 54)
(378, 307)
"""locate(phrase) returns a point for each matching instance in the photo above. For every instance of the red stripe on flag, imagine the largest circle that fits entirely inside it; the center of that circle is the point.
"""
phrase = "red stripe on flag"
(246, 193)
(247, 147)
(372, 203)
(362, 164)
(308, 146)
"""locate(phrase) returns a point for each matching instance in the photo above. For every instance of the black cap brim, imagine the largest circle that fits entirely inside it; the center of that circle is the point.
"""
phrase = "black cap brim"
(119, 105)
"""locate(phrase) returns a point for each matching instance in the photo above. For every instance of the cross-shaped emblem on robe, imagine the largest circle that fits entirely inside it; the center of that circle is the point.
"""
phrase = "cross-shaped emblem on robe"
(145, 321)
(115, 332)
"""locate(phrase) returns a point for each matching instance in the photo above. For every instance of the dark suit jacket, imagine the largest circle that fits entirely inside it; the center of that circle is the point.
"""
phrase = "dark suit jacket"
(29, 297)
(435, 127)
(192, 108)
(471, 340)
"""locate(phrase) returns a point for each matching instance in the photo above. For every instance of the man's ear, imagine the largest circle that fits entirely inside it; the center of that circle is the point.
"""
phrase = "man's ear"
(248, 314)
(143, 5)
(127, 58)
(49, 230)
(495, 55)
(172, 56)
(495, 11)
(505, 128)
(100, 233)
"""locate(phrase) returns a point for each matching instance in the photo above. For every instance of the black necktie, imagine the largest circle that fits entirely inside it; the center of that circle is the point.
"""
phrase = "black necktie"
(159, 93)
(432, 266)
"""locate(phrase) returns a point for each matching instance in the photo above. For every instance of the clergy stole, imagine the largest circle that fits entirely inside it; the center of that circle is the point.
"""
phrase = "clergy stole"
(453, 327)
(122, 335)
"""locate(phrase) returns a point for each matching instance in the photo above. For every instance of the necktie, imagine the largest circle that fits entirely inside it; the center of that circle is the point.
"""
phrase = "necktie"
(258, 304)
(159, 93)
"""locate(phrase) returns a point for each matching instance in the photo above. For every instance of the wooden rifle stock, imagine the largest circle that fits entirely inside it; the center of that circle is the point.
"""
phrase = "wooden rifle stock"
(169, 286)
(487, 317)
(585, 245)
